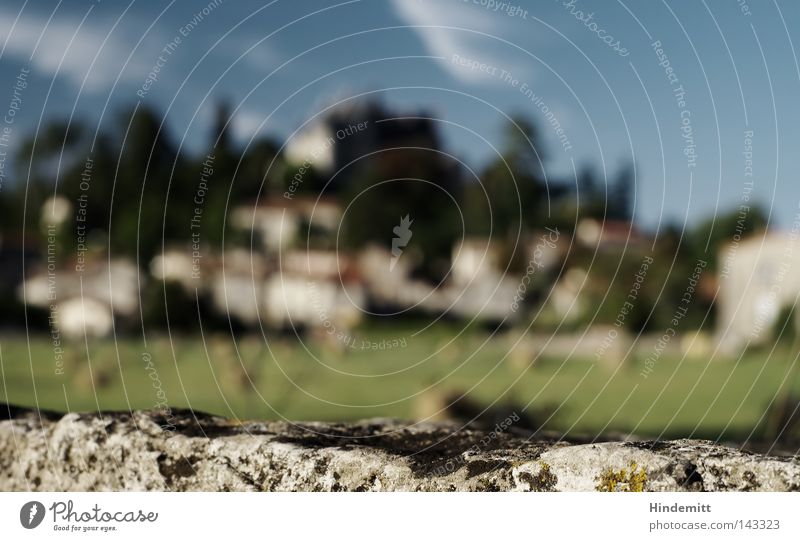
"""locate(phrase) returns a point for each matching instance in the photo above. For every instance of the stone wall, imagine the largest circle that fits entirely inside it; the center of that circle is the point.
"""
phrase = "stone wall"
(124, 451)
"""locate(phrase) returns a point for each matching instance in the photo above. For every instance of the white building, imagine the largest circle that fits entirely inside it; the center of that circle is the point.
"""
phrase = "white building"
(279, 223)
(758, 278)
(315, 289)
(88, 301)
(312, 145)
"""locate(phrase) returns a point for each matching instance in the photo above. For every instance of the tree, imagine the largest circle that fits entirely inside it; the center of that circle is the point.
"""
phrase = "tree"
(514, 181)
(417, 183)
(621, 194)
(705, 240)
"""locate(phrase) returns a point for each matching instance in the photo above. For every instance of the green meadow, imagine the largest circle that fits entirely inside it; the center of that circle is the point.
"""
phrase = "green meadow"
(377, 373)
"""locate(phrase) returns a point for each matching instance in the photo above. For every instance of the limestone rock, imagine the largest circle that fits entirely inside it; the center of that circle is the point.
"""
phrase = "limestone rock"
(130, 451)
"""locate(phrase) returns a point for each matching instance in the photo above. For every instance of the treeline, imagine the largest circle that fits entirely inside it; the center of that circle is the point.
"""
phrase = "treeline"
(132, 186)
(132, 191)
(135, 189)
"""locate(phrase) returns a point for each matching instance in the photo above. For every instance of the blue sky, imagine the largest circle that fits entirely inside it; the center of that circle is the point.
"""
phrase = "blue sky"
(281, 62)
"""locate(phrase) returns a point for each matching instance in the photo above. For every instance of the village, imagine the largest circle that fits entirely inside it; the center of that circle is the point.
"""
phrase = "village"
(287, 268)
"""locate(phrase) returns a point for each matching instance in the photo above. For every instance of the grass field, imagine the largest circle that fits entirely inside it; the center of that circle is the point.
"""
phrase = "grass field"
(282, 377)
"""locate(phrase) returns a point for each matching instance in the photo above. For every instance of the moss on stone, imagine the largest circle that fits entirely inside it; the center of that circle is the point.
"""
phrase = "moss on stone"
(544, 480)
(631, 479)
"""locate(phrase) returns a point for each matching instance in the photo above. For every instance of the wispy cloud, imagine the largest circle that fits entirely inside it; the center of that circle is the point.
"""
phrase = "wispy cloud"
(437, 25)
(260, 58)
(247, 123)
(58, 48)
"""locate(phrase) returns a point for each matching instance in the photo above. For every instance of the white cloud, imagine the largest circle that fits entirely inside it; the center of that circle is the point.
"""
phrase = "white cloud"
(259, 58)
(48, 45)
(431, 16)
(247, 123)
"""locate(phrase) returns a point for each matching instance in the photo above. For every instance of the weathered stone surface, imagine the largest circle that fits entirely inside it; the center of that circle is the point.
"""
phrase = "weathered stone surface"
(123, 451)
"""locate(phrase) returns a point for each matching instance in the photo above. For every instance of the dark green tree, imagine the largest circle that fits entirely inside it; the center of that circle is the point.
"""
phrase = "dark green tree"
(621, 194)
(705, 240)
(419, 183)
(514, 181)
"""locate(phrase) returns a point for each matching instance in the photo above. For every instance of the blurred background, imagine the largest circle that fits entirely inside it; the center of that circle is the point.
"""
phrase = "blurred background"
(581, 212)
